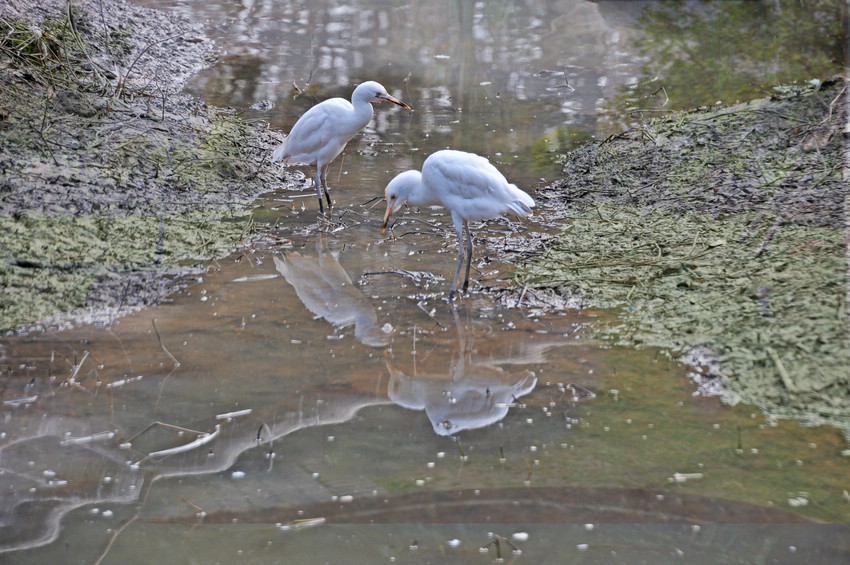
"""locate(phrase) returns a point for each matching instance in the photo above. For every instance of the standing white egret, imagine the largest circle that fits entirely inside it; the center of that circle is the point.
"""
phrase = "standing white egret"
(320, 135)
(464, 183)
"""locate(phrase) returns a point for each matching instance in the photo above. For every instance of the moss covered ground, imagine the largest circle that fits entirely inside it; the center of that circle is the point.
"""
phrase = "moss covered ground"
(106, 170)
(719, 235)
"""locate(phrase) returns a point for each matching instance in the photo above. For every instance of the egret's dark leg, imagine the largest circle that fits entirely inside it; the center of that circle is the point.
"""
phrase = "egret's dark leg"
(325, 184)
(319, 187)
(468, 255)
(457, 271)
(459, 227)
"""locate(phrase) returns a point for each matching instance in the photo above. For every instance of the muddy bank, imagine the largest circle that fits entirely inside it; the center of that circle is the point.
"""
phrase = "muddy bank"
(112, 183)
(719, 235)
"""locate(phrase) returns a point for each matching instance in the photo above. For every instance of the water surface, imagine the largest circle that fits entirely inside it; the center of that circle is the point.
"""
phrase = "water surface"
(314, 398)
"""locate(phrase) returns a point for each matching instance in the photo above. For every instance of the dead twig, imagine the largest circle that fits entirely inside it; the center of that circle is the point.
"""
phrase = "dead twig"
(783, 372)
(199, 512)
(159, 339)
(122, 82)
(768, 238)
(497, 543)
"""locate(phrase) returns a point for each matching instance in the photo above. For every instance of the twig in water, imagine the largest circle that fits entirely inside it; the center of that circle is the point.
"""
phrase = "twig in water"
(421, 306)
(162, 387)
(371, 200)
(416, 276)
(497, 543)
(460, 448)
(350, 211)
(200, 511)
(262, 428)
(164, 425)
(407, 90)
(664, 90)
(341, 163)
(78, 366)
(196, 443)
(176, 362)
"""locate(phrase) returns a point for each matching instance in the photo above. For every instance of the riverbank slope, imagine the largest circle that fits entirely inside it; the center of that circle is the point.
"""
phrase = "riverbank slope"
(720, 236)
(113, 184)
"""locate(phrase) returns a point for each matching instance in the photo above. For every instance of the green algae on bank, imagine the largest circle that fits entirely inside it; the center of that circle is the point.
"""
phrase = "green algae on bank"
(109, 174)
(719, 234)
(52, 262)
(684, 281)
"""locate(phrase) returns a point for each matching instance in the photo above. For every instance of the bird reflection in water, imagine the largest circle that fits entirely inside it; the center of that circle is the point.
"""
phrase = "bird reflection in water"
(472, 394)
(326, 290)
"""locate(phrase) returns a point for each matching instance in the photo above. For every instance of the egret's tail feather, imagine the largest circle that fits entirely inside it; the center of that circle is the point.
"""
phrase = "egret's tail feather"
(280, 152)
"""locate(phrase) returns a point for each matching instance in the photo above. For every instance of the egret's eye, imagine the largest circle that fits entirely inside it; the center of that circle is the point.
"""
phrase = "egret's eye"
(392, 197)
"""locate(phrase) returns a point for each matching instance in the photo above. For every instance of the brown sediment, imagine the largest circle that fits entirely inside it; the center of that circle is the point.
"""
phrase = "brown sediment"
(112, 182)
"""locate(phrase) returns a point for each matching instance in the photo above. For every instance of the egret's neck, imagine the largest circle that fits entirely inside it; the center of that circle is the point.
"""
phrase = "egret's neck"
(420, 194)
(362, 114)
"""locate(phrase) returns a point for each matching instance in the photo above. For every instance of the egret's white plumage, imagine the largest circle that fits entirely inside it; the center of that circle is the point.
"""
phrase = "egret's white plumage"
(321, 134)
(467, 185)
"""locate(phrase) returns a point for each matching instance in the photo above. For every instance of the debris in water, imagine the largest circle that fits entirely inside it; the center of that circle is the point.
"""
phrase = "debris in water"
(252, 278)
(682, 477)
(236, 414)
(20, 401)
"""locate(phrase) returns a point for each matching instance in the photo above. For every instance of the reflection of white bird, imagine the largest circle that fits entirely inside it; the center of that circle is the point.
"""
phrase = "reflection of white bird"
(468, 185)
(472, 393)
(326, 290)
(320, 135)
(477, 398)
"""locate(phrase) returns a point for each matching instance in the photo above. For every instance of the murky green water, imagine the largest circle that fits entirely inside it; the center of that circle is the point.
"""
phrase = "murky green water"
(313, 398)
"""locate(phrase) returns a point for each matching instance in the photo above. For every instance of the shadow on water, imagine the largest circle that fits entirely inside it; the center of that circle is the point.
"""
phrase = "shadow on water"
(313, 397)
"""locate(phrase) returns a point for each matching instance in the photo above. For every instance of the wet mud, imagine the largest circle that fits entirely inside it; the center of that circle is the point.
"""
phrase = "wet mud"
(113, 183)
(719, 235)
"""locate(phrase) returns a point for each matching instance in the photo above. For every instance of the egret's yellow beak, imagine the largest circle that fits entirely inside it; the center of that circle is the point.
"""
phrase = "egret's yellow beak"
(387, 215)
(394, 100)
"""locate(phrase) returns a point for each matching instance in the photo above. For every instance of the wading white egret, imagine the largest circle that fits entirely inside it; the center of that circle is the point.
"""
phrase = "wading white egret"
(464, 183)
(320, 135)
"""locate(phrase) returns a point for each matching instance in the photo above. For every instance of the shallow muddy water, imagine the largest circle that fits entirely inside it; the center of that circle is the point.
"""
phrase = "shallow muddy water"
(314, 399)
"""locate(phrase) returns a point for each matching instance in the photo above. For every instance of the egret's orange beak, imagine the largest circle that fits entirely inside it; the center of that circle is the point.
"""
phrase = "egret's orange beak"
(397, 101)
(387, 215)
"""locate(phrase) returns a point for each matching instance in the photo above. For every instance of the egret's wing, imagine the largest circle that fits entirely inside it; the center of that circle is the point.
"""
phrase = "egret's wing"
(471, 187)
(458, 174)
(315, 130)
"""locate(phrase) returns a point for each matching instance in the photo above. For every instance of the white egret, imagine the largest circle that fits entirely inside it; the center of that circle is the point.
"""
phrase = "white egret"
(464, 183)
(320, 135)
